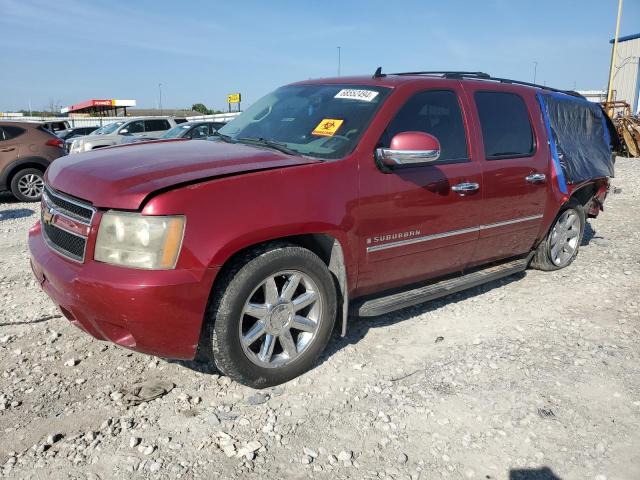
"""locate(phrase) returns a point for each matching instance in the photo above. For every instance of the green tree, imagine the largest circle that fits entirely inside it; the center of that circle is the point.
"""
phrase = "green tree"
(201, 108)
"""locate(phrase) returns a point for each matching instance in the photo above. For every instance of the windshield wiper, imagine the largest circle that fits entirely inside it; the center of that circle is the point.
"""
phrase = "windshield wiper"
(268, 143)
(222, 136)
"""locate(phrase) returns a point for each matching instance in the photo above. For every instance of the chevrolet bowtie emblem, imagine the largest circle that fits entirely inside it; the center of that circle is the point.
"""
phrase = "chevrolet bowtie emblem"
(48, 216)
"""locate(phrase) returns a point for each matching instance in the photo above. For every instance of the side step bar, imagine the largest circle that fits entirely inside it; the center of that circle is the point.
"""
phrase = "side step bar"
(395, 301)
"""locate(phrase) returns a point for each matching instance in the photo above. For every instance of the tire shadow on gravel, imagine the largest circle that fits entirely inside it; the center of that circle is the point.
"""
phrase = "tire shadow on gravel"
(7, 197)
(544, 473)
(589, 234)
(358, 327)
(17, 213)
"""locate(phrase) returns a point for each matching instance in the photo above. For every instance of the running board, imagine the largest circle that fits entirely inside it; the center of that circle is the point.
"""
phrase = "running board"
(407, 298)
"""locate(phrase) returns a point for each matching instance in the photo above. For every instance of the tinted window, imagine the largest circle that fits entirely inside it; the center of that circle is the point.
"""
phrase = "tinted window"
(12, 132)
(156, 125)
(135, 127)
(201, 131)
(506, 130)
(437, 113)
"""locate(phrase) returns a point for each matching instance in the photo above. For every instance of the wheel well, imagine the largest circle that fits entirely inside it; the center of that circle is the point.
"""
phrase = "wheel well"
(23, 166)
(585, 194)
(330, 252)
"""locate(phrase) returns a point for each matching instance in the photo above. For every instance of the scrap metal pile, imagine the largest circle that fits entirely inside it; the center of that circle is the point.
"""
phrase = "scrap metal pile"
(627, 126)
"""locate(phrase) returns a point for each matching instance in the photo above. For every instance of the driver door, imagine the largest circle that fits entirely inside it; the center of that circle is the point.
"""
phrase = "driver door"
(412, 225)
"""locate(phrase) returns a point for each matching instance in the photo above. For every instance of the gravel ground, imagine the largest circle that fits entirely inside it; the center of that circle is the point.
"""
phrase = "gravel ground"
(534, 376)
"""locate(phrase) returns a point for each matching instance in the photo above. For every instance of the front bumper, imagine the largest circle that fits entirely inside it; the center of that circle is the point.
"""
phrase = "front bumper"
(159, 312)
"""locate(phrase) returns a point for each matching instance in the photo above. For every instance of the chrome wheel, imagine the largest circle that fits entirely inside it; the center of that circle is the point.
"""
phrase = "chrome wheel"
(280, 319)
(31, 186)
(564, 237)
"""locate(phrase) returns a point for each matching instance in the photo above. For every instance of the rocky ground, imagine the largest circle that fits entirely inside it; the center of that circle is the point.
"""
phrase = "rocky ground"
(535, 376)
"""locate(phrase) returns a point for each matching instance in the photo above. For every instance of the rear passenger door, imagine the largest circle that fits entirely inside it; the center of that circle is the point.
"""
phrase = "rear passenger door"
(515, 162)
(10, 139)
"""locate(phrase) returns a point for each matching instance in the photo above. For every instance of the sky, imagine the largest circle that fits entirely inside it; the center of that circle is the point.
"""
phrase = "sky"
(68, 51)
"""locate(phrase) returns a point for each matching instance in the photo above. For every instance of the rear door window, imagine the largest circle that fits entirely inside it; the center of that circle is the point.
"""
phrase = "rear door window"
(506, 129)
(11, 132)
(438, 113)
(156, 125)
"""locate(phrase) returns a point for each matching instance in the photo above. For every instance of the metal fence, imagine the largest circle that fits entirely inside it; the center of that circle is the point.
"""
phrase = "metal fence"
(100, 121)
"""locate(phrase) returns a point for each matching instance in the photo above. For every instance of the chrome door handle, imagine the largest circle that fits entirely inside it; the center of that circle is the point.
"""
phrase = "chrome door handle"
(536, 178)
(465, 187)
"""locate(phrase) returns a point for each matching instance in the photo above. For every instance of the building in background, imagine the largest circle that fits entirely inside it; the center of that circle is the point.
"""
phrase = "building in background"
(102, 107)
(595, 96)
(626, 75)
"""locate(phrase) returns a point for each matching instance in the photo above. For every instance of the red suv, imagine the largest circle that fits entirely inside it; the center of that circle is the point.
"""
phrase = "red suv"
(349, 195)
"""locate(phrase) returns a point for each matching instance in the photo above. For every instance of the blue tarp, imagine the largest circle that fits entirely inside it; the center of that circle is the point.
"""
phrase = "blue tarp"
(579, 138)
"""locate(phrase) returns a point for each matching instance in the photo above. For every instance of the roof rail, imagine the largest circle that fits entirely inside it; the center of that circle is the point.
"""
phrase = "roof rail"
(448, 74)
(460, 75)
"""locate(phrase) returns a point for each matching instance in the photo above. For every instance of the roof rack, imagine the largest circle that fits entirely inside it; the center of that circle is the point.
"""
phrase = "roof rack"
(460, 75)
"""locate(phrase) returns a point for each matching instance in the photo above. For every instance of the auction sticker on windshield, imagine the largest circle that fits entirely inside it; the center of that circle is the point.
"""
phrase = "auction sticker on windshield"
(327, 127)
(357, 94)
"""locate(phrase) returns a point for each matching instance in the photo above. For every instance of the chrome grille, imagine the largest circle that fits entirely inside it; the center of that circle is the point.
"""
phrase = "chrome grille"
(69, 206)
(65, 223)
(66, 243)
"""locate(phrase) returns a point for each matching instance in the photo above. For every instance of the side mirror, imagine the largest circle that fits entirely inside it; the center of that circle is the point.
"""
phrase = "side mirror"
(124, 131)
(409, 148)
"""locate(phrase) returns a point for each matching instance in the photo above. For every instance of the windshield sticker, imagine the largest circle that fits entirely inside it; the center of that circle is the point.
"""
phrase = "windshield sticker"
(327, 127)
(355, 94)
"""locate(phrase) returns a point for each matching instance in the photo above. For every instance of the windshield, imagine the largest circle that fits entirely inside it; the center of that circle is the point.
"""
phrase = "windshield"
(107, 129)
(176, 131)
(324, 121)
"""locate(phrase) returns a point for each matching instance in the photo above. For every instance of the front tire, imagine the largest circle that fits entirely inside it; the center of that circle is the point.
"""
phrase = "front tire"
(560, 247)
(272, 315)
(27, 185)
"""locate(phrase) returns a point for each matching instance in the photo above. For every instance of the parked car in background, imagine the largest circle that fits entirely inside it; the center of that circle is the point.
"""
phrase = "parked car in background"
(74, 132)
(361, 194)
(115, 133)
(71, 134)
(26, 150)
(191, 130)
(56, 126)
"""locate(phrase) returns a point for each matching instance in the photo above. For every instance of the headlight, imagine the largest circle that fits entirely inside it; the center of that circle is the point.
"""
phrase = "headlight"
(86, 147)
(139, 241)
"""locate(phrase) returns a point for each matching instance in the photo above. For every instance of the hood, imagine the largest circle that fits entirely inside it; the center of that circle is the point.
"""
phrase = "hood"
(123, 176)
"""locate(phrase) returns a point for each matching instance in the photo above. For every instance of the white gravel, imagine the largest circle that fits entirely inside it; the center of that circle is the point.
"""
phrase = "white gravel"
(538, 371)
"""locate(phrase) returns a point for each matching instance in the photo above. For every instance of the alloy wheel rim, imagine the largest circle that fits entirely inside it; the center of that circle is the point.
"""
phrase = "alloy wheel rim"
(31, 185)
(564, 238)
(280, 319)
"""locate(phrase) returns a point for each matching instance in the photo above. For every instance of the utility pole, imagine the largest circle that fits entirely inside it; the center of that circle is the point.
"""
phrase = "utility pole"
(339, 59)
(535, 71)
(160, 103)
(613, 53)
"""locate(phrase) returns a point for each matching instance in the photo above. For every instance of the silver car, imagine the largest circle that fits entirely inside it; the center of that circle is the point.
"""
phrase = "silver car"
(117, 132)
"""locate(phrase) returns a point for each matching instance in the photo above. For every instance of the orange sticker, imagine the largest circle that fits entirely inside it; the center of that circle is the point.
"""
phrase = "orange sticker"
(327, 127)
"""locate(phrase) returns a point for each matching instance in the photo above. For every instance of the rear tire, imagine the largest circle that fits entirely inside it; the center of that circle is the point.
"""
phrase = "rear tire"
(27, 185)
(257, 330)
(560, 246)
